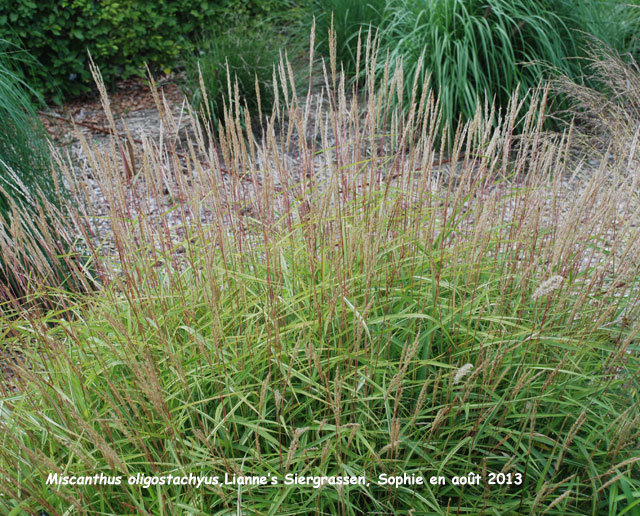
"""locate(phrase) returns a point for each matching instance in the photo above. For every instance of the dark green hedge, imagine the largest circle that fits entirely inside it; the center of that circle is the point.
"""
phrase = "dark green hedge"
(121, 35)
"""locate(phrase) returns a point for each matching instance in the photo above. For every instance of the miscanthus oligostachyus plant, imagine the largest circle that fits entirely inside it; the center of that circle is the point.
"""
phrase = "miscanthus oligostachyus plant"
(341, 303)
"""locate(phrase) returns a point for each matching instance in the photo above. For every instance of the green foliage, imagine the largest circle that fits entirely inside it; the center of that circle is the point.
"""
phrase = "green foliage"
(474, 48)
(242, 57)
(624, 497)
(23, 143)
(121, 35)
(477, 49)
(357, 310)
(349, 18)
(30, 188)
(25, 167)
(232, 11)
(616, 23)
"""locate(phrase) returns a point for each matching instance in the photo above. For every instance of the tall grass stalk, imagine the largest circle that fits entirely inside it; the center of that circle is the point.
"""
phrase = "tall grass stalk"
(317, 316)
(349, 20)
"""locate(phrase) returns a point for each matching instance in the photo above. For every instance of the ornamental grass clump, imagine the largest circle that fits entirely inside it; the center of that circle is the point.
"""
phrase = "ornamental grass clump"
(36, 251)
(477, 49)
(238, 60)
(609, 115)
(305, 306)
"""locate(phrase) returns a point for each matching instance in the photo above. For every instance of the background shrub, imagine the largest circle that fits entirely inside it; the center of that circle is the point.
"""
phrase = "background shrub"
(121, 35)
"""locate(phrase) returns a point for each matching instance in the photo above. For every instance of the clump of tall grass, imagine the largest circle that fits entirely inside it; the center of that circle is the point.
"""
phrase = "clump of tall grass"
(608, 116)
(23, 143)
(615, 23)
(477, 49)
(238, 62)
(340, 303)
(29, 189)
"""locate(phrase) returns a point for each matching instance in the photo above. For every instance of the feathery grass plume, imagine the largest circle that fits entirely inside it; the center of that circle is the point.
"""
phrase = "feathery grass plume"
(300, 275)
(461, 373)
(608, 116)
(547, 286)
